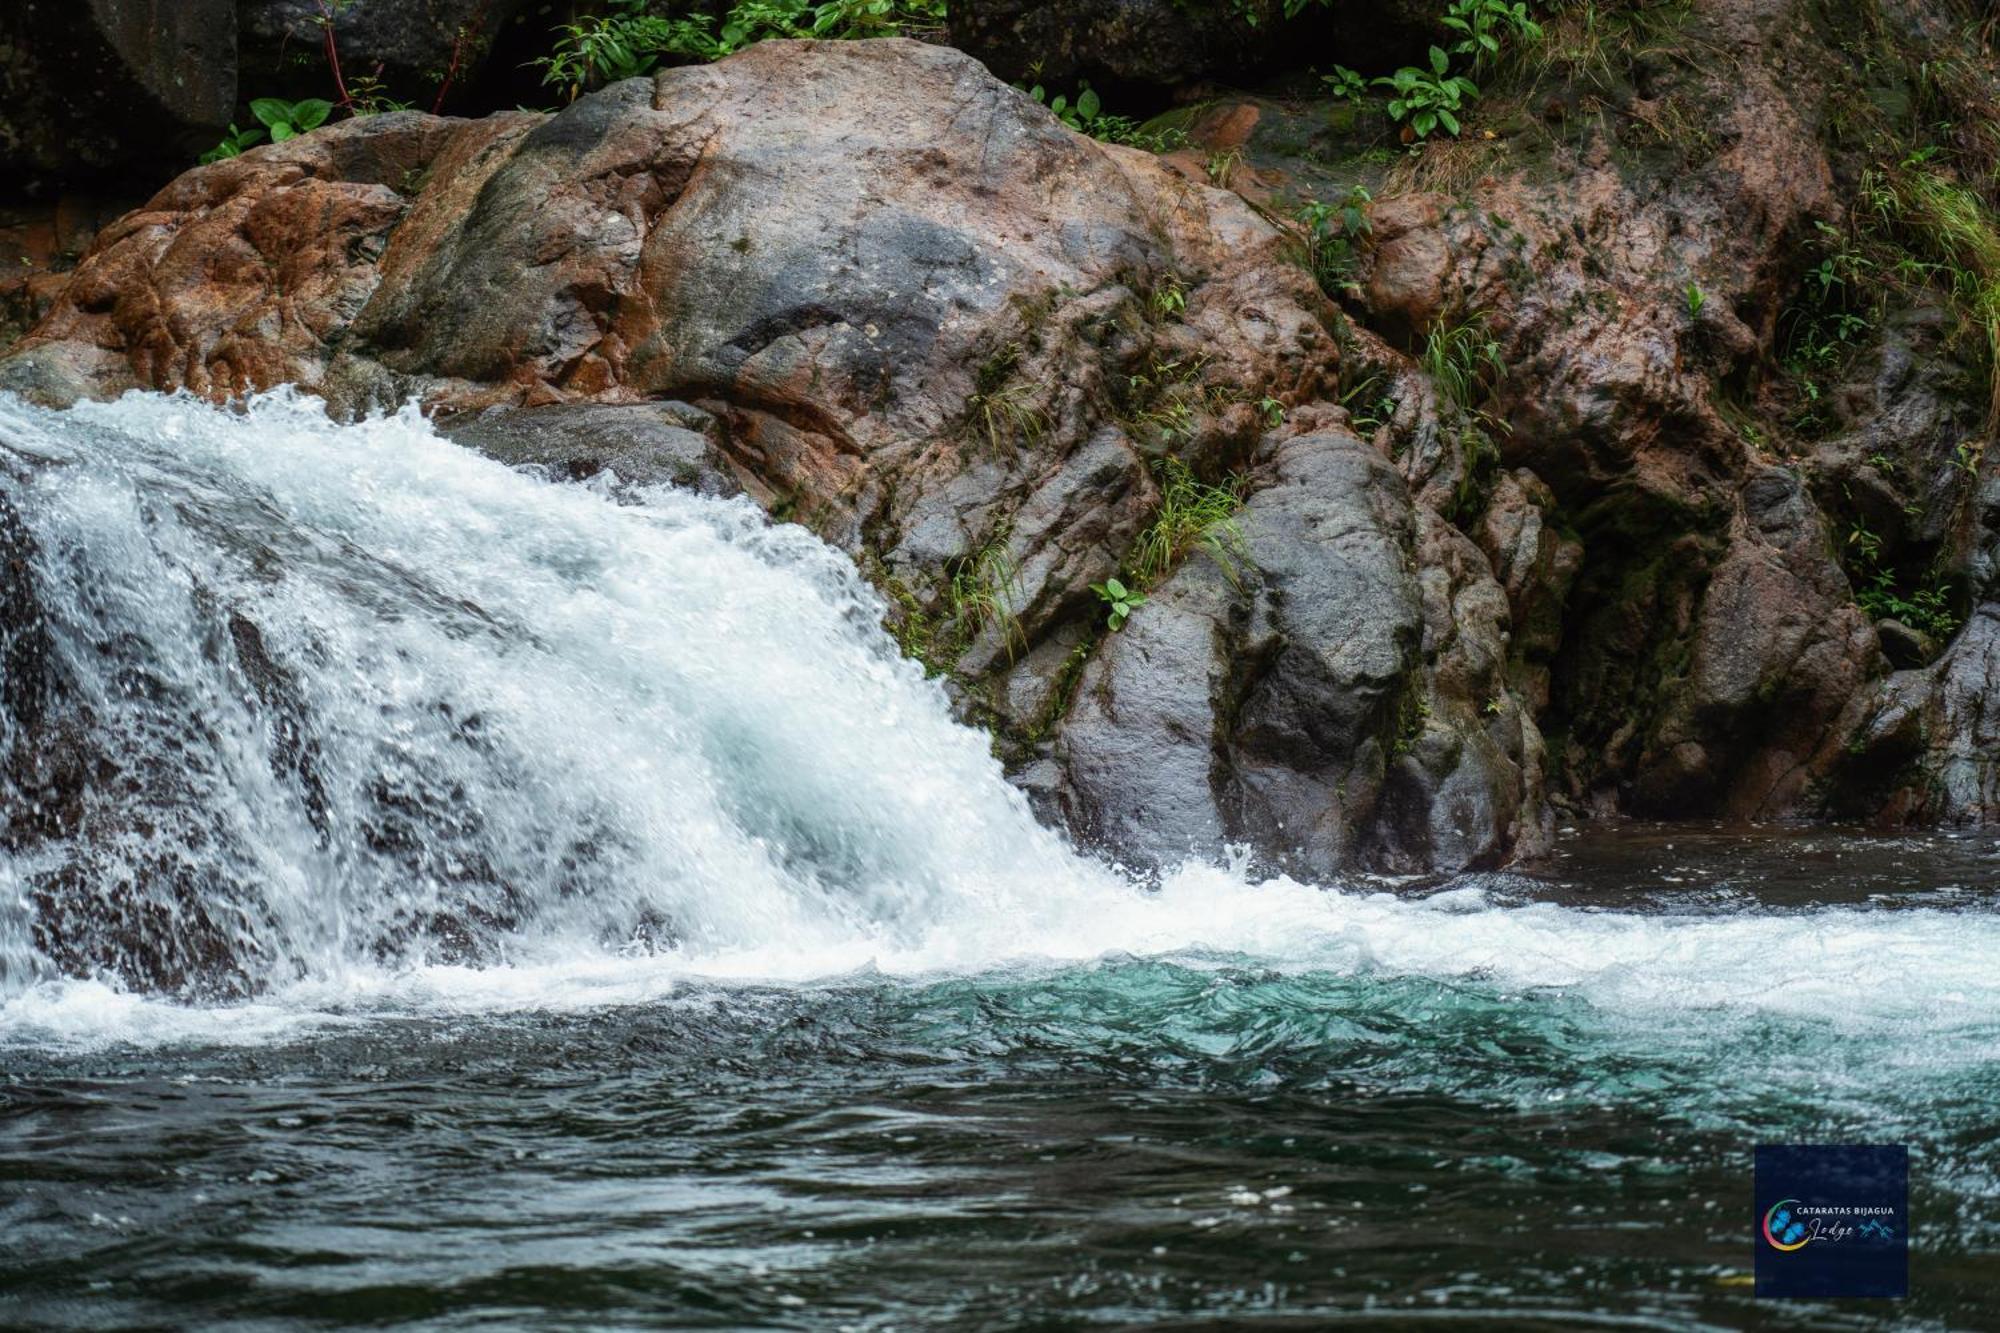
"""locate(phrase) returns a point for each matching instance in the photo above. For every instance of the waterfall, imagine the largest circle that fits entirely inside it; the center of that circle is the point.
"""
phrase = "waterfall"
(297, 709)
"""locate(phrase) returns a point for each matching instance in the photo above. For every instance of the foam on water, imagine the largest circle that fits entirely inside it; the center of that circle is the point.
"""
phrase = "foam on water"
(491, 744)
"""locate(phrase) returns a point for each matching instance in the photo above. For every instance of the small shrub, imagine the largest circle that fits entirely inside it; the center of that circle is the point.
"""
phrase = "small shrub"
(1331, 234)
(1482, 23)
(1428, 99)
(1345, 83)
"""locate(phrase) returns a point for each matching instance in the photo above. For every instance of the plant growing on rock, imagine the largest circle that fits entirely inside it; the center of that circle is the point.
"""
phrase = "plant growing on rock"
(1345, 83)
(1086, 115)
(1482, 23)
(982, 593)
(233, 144)
(1193, 515)
(1426, 100)
(1462, 360)
(1119, 600)
(288, 120)
(1332, 231)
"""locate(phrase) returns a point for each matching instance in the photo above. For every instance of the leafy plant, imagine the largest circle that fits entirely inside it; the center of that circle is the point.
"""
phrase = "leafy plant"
(1345, 83)
(629, 42)
(1086, 115)
(1696, 299)
(1120, 600)
(288, 120)
(368, 96)
(1482, 23)
(1428, 99)
(1170, 299)
(233, 144)
(1272, 411)
(1331, 234)
(1879, 593)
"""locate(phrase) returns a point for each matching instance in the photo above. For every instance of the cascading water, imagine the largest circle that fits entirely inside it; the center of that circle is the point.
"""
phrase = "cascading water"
(315, 731)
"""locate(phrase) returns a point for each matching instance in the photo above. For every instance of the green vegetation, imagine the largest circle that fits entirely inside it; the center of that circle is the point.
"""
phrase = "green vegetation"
(283, 120)
(1331, 233)
(1482, 23)
(1193, 516)
(287, 120)
(233, 144)
(1345, 83)
(1120, 601)
(629, 41)
(1880, 594)
(1696, 299)
(1462, 360)
(981, 594)
(1008, 415)
(1428, 99)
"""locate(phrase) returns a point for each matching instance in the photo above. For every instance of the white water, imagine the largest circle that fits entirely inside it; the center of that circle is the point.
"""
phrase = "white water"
(606, 746)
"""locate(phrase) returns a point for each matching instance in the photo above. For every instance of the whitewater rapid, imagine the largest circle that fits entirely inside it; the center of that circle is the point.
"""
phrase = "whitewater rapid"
(492, 743)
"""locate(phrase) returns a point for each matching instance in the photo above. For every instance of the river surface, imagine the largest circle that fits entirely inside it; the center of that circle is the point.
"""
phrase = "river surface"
(596, 925)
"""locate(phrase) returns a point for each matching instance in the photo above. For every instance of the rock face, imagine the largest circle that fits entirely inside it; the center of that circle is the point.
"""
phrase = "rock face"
(88, 89)
(1311, 690)
(409, 47)
(1537, 511)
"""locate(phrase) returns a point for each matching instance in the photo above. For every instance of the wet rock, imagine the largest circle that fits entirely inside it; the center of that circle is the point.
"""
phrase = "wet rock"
(650, 444)
(1903, 645)
(1315, 697)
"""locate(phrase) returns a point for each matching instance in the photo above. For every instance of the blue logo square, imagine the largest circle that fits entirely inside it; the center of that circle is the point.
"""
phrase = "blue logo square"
(1833, 1220)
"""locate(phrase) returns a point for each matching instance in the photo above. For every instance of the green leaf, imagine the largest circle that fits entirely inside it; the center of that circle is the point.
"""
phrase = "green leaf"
(272, 111)
(1087, 103)
(1450, 121)
(1439, 61)
(1424, 122)
(280, 132)
(310, 114)
(1115, 588)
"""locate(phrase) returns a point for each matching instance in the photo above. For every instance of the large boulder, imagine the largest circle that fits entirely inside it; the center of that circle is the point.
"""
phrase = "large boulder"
(99, 91)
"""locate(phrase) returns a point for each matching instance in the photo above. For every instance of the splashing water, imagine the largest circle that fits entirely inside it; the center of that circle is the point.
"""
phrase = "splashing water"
(320, 728)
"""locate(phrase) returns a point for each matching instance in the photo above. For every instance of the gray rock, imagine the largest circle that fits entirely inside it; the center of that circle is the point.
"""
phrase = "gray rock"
(647, 444)
(1317, 705)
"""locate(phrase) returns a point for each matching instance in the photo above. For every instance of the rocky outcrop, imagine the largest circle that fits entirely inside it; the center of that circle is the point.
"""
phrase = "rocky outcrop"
(1329, 689)
(1536, 509)
(962, 364)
